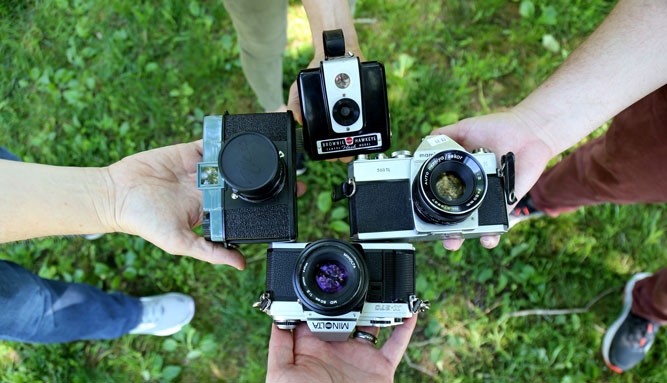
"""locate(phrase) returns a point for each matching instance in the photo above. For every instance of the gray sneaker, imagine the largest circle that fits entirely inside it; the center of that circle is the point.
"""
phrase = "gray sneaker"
(629, 338)
(165, 314)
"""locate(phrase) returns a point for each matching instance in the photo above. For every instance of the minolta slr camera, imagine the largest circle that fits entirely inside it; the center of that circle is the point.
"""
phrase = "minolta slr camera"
(344, 104)
(334, 286)
(442, 191)
(247, 178)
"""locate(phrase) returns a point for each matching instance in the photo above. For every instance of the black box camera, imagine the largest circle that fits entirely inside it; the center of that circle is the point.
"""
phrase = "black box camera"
(334, 286)
(344, 104)
(247, 177)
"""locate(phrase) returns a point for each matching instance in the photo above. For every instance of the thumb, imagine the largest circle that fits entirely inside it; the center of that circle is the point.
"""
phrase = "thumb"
(197, 247)
(294, 103)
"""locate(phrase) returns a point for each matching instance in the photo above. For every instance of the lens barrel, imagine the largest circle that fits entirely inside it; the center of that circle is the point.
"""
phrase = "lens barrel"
(252, 166)
(346, 111)
(330, 277)
(449, 187)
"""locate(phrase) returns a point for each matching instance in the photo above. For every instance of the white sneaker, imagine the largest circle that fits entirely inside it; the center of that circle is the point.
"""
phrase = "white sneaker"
(165, 314)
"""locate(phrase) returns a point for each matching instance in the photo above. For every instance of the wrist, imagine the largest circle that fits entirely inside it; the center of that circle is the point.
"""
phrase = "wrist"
(108, 202)
(540, 125)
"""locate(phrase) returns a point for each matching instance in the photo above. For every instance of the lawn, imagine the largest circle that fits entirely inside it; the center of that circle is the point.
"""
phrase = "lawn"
(85, 83)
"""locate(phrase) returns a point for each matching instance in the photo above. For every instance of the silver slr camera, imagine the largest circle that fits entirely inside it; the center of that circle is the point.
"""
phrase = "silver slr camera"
(442, 191)
(334, 286)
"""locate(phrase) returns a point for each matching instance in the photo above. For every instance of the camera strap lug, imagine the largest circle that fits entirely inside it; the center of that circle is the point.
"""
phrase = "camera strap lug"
(345, 190)
(416, 305)
(264, 302)
(334, 43)
(506, 172)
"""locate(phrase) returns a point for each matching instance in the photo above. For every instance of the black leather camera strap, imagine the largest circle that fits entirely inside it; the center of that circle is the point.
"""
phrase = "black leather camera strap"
(507, 173)
(334, 43)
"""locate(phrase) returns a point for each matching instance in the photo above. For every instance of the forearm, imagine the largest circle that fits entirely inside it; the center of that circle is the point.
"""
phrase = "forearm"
(622, 61)
(326, 15)
(41, 200)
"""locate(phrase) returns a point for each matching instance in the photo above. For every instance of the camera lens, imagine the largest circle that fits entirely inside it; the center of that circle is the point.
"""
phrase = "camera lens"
(252, 166)
(345, 111)
(330, 277)
(449, 187)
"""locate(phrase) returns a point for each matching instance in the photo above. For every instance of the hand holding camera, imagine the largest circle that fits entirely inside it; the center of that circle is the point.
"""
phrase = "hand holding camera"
(335, 286)
(343, 104)
(442, 191)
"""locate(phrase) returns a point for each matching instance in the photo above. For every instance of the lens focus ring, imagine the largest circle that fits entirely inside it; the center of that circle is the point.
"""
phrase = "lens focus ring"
(449, 187)
(330, 277)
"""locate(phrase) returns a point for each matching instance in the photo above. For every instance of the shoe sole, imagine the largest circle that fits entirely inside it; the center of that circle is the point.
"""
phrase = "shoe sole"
(611, 331)
(514, 220)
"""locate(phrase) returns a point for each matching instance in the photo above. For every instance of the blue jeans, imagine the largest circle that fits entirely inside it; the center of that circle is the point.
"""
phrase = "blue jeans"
(37, 310)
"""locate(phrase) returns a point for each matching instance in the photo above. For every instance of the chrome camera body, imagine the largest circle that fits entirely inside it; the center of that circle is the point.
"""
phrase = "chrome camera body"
(334, 286)
(442, 191)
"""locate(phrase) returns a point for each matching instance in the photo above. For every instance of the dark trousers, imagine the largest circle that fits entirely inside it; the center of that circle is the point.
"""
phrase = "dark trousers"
(624, 166)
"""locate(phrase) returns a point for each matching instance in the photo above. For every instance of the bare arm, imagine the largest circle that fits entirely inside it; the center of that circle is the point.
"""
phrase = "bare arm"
(151, 194)
(326, 15)
(621, 62)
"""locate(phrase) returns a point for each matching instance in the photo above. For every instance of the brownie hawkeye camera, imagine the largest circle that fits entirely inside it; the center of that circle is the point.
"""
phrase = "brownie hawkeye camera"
(442, 191)
(247, 178)
(344, 104)
(334, 286)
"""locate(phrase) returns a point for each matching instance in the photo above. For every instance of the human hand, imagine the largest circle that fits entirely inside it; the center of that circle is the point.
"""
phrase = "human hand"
(154, 195)
(501, 133)
(299, 356)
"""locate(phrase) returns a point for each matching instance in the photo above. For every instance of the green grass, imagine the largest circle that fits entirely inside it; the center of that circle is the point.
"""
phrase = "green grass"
(85, 83)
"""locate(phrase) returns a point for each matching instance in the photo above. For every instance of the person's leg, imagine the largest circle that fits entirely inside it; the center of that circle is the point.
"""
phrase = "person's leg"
(630, 337)
(623, 166)
(47, 311)
(649, 297)
(261, 28)
(7, 155)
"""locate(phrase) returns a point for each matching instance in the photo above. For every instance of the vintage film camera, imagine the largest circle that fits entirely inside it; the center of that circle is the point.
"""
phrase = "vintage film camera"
(247, 178)
(344, 104)
(442, 191)
(334, 286)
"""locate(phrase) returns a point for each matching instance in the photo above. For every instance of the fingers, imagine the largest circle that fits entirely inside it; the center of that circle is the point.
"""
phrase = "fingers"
(452, 131)
(341, 159)
(281, 348)
(373, 331)
(396, 345)
(301, 188)
(199, 248)
(452, 243)
(490, 241)
(293, 103)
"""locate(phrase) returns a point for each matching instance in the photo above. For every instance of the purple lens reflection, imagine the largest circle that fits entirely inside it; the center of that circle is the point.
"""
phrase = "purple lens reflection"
(330, 276)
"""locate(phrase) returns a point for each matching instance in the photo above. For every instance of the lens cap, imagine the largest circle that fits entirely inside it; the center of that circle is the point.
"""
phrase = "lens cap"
(251, 164)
